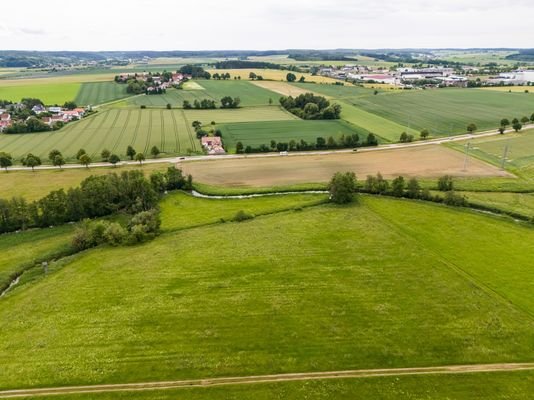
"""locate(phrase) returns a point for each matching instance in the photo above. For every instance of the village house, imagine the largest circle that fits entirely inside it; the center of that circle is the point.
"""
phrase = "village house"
(38, 109)
(213, 145)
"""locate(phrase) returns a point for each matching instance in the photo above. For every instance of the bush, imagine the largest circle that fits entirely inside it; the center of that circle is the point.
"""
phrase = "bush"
(115, 234)
(445, 184)
(241, 216)
(342, 187)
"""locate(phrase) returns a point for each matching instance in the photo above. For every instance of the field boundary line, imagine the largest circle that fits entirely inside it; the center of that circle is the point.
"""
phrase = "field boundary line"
(255, 379)
(457, 269)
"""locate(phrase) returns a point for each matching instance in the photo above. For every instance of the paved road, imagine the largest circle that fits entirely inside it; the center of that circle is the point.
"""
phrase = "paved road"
(173, 160)
(242, 380)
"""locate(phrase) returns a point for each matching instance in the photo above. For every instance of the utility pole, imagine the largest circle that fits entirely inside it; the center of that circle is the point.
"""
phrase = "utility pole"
(466, 155)
(504, 155)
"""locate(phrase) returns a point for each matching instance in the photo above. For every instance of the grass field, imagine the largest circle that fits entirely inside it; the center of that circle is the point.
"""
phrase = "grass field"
(448, 111)
(24, 248)
(95, 93)
(426, 161)
(250, 95)
(182, 211)
(489, 386)
(519, 156)
(257, 133)
(281, 293)
(245, 114)
(51, 93)
(34, 185)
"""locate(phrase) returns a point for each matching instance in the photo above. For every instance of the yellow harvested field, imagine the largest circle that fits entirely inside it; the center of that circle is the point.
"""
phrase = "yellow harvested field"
(422, 161)
(283, 88)
(192, 85)
(271, 74)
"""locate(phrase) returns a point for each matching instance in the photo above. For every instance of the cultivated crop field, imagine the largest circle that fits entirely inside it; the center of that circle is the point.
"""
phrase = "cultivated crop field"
(257, 133)
(113, 129)
(270, 74)
(51, 93)
(250, 95)
(426, 161)
(100, 92)
(447, 111)
(281, 293)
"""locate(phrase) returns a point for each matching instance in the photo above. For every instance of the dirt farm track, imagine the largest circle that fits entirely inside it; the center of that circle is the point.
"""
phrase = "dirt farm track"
(424, 161)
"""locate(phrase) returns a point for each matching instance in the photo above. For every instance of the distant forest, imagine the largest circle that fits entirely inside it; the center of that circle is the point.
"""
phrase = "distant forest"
(523, 55)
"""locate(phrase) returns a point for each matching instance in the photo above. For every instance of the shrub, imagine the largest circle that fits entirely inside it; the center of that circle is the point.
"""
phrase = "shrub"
(445, 184)
(342, 187)
(241, 216)
(115, 234)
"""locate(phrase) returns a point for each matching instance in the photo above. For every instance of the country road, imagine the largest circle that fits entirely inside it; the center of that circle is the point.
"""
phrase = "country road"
(173, 160)
(254, 379)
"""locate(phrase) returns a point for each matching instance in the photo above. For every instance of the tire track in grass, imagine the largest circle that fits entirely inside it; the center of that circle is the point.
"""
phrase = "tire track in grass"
(272, 378)
(76, 134)
(121, 134)
(90, 138)
(193, 147)
(176, 133)
(62, 133)
(149, 134)
(136, 130)
(104, 139)
(162, 127)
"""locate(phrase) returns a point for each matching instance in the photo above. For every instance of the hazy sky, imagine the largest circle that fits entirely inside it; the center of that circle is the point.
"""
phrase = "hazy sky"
(265, 24)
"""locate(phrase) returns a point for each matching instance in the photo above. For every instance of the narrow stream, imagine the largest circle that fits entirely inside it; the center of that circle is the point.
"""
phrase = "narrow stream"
(194, 193)
(13, 283)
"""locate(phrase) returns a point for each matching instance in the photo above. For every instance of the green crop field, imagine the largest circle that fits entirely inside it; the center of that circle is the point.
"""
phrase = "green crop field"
(371, 285)
(250, 95)
(441, 111)
(94, 93)
(116, 128)
(257, 133)
(448, 111)
(113, 129)
(50, 93)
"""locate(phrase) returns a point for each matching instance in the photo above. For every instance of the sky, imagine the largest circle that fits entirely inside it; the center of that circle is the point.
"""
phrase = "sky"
(264, 25)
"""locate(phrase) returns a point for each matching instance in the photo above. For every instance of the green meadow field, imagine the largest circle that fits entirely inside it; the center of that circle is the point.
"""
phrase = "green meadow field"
(257, 133)
(369, 285)
(475, 386)
(250, 95)
(95, 93)
(448, 111)
(50, 93)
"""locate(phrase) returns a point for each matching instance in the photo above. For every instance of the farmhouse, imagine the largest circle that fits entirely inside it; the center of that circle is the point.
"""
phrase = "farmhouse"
(4, 124)
(212, 144)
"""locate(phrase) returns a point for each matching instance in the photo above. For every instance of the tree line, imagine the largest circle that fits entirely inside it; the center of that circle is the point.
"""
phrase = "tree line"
(97, 196)
(310, 106)
(210, 104)
(330, 143)
(343, 186)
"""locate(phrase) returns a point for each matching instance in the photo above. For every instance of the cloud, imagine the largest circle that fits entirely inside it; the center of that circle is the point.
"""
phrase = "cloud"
(269, 24)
